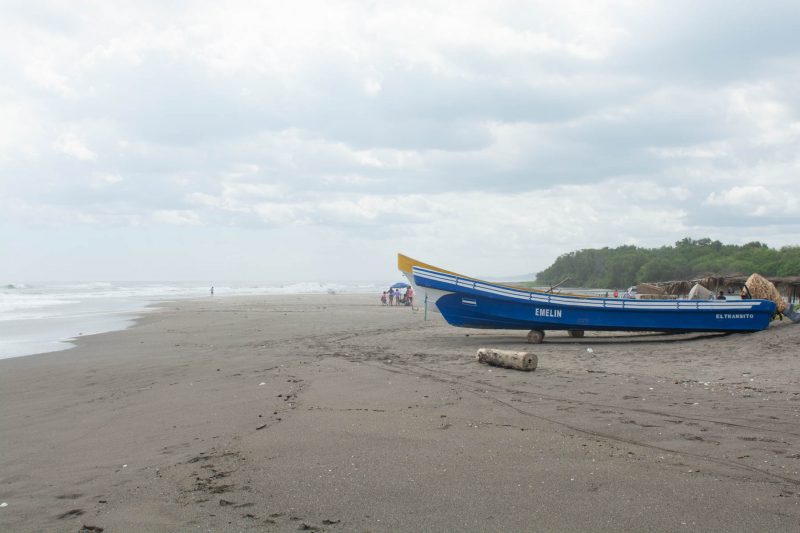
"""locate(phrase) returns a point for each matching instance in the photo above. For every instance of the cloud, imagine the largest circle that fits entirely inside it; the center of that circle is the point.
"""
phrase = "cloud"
(758, 201)
(71, 145)
(179, 218)
(532, 128)
(105, 179)
(43, 75)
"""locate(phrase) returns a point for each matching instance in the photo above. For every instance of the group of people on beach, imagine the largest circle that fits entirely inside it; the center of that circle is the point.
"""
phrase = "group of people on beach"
(616, 294)
(394, 297)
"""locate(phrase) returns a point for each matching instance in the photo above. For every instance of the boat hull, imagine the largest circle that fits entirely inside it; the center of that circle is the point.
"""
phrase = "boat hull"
(472, 303)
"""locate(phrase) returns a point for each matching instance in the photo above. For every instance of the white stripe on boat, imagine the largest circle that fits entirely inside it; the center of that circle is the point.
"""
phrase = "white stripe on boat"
(571, 301)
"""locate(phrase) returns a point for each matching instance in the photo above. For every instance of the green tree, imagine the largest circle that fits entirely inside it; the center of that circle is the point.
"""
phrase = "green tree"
(686, 259)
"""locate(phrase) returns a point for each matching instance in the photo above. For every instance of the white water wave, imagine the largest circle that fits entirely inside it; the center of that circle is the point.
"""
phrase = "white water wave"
(31, 306)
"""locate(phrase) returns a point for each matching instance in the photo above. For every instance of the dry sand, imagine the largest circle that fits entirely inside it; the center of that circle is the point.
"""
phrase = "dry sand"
(331, 413)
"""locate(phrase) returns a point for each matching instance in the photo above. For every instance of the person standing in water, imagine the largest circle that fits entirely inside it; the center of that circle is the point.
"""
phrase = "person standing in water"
(212, 290)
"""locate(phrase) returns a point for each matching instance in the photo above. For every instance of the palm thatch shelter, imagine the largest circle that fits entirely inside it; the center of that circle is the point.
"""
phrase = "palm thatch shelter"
(788, 286)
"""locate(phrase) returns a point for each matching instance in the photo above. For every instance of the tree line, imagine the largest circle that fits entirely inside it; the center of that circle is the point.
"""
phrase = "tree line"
(687, 259)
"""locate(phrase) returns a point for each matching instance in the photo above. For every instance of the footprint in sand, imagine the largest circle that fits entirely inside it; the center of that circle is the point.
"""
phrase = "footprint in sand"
(71, 513)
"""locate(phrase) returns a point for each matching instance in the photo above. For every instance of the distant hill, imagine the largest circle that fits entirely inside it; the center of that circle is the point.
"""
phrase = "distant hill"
(687, 259)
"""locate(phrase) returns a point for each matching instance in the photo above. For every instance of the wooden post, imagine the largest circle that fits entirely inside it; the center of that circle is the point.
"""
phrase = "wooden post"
(508, 359)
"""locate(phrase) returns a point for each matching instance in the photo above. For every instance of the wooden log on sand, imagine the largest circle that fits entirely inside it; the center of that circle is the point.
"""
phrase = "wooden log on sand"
(508, 359)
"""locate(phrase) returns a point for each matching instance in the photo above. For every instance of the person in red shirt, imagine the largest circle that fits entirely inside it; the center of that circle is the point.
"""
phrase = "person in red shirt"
(410, 296)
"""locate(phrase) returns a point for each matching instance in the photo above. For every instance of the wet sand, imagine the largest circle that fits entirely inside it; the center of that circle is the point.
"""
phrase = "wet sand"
(331, 413)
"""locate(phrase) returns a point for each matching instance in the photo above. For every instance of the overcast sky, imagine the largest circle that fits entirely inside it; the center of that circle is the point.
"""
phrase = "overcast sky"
(314, 140)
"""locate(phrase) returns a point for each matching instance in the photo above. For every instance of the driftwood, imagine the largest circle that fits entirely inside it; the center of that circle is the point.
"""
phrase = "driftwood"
(763, 289)
(508, 359)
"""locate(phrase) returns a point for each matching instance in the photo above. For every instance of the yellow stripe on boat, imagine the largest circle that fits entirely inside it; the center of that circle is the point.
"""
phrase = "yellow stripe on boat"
(405, 265)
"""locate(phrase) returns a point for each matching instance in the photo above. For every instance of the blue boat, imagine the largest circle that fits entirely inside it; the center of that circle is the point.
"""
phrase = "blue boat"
(472, 303)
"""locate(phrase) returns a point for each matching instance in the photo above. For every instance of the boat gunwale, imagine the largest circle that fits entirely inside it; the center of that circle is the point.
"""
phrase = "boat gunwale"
(406, 264)
(597, 302)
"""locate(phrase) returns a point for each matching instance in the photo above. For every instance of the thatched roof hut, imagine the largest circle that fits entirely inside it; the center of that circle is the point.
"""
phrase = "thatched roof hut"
(788, 286)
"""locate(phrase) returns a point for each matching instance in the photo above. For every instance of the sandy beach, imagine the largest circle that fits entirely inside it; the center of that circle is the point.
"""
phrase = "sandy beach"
(332, 413)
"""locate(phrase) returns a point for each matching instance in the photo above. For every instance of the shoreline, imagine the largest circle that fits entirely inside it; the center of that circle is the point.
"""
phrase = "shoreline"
(336, 413)
(42, 318)
(34, 343)
(73, 327)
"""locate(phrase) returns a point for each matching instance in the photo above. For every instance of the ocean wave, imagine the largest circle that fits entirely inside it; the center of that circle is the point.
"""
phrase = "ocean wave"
(305, 287)
(52, 299)
(91, 285)
(22, 307)
(15, 286)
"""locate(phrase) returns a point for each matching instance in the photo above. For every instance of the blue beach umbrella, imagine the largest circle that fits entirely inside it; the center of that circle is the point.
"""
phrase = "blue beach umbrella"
(400, 285)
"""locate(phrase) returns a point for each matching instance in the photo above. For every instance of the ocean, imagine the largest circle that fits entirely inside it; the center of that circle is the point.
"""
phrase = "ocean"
(47, 317)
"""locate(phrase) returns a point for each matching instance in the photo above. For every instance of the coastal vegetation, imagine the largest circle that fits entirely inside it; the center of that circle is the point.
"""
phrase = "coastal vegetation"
(686, 259)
